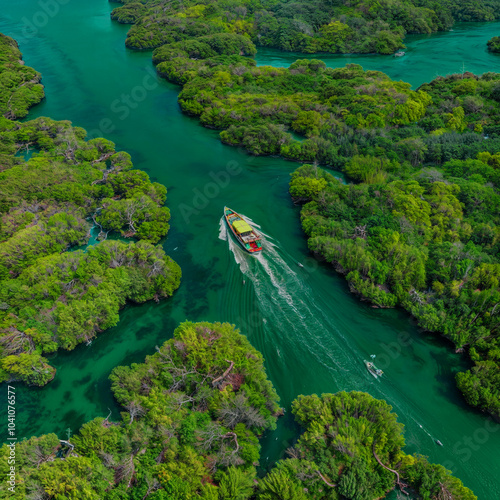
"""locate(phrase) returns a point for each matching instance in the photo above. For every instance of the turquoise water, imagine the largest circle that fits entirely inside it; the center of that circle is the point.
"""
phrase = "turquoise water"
(313, 333)
(426, 56)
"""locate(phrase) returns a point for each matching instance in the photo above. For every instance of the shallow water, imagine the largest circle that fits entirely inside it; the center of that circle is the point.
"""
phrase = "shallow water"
(313, 333)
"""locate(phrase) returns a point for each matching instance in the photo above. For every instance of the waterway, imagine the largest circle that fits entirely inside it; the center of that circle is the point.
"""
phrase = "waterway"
(313, 333)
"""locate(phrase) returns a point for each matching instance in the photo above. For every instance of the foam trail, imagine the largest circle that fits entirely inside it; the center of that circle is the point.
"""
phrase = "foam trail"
(420, 425)
(285, 298)
(296, 319)
(222, 229)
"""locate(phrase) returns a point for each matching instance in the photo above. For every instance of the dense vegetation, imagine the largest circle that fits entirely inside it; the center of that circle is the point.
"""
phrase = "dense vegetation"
(420, 242)
(20, 86)
(494, 44)
(192, 416)
(257, 106)
(65, 299)
(193, 410)
(352, 448)
(49, 297)
(314, 26)
(421, 229)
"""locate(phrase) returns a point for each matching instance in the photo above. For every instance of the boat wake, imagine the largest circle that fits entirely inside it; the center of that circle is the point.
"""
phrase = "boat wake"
(286, 305)
(428, 433)
(292, 317)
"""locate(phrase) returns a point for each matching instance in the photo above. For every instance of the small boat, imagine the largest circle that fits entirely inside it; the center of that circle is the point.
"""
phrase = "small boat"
(247, 237)
(399, 54)
(439, 442)
(373, 369)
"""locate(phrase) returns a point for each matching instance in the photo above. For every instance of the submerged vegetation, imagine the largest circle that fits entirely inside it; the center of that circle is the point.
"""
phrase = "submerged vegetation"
(193, 412)
(54, 186)
(337, 26)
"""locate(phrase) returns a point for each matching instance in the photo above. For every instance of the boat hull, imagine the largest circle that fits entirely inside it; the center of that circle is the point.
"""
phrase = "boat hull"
(253, 247)
(373, 369)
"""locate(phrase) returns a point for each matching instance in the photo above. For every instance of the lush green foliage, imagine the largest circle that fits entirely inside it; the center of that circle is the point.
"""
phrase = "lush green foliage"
(193, 412)
(421, 230)
(195, 408)
(255, 106)
(342, 432)
(418, 242)
(20, 86)
(336, 456)
(65, 299)
(313, 26)
(432, 480)
(494, 44)
(129, 13)
(189, 428)
(46, 200)
(50, 297)
(481, 384)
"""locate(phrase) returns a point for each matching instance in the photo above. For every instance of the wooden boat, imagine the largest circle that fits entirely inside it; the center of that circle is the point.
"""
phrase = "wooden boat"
(373, 369)
(399, 54)
(247, 237)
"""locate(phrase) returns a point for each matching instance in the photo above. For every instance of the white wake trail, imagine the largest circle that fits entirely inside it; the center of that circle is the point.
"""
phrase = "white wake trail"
(222, 229)
(286, 301)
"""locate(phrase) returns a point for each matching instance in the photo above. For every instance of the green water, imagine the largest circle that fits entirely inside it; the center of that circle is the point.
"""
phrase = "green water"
(426, 56)
(312, 332)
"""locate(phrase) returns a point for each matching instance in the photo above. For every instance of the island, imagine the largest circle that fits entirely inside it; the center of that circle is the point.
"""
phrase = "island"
(493, 44)
(361, 26)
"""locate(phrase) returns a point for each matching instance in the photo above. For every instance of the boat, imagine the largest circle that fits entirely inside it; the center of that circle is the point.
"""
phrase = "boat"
(439, 442)
(373, 369)
(246, 235)
(399, 54)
